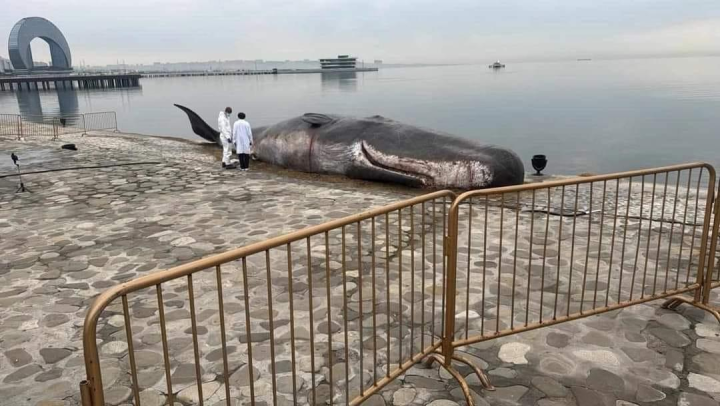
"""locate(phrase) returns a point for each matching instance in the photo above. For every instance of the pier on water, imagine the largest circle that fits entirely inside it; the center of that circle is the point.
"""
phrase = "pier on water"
(50, 82)
(241, 72)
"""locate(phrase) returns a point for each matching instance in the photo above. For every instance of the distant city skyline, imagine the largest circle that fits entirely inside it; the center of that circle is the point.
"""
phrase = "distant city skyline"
(395, 31)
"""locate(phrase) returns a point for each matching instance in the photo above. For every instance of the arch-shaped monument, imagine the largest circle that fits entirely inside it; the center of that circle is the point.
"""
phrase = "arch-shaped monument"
(27, 30)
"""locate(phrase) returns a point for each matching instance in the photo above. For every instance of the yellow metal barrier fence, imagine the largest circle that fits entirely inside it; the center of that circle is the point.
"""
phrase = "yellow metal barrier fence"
(331, 313)
(334, 312)
(631, 238)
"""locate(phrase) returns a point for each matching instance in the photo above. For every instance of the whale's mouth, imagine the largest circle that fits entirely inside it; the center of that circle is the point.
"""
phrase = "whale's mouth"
(395, 165)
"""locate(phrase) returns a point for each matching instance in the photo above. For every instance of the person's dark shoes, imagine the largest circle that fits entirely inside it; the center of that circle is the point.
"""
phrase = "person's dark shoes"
(224, 166)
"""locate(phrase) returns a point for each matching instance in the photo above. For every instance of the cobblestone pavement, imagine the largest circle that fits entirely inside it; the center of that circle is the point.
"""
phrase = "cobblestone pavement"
(152, 203)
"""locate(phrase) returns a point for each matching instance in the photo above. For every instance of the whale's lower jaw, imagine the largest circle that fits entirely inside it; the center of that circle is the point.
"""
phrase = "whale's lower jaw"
(424, 173)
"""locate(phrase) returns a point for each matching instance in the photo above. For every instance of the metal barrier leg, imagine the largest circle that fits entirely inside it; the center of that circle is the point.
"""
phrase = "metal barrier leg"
(454, 372)
(479, 372)
(676, 301)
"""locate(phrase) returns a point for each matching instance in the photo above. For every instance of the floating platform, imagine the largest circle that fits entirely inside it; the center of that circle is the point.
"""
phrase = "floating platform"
(65, 81)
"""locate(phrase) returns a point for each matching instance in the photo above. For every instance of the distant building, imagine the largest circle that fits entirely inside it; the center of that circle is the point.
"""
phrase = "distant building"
(378, 62)
(40, 64)
(341, 62)
(27, 30)
(5, 65)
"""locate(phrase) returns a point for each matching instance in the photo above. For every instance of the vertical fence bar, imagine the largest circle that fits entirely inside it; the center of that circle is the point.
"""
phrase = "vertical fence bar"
(559, 253)
(572, 249)
(223, 340)
(248, 331)
(587, 251)
(530, 258)
(312, 324)
(612, 244)
(622, 250)
(412, 283)
(345, 321)
(500, 260)
(434, 257)
(467, 280)
(639, 241)
(131, 351)
(649, 237)
(692, 241)
(271, 323)
(682, 232)
(400, 272)
(662, 221)
(360, 297)
(599, 251)
(672, 229)
(374, 300)
(542, 270)
(196, 351)
(292, 320)
(450, 249)
(515, 248)
(387, 291)
(422, 253)
(163, 333)
(329, 314)
(485, 232)
(444, 262)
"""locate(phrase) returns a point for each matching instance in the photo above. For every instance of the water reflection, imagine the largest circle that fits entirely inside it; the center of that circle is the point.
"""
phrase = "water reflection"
(343, 81)
(67, 102)
(31, 103)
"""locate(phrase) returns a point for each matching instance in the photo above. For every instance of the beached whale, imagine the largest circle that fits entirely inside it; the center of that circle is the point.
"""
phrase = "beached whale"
(379, 149)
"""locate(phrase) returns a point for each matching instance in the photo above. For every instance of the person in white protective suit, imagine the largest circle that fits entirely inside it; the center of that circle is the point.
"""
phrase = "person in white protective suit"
(225, 136)
(242, 136)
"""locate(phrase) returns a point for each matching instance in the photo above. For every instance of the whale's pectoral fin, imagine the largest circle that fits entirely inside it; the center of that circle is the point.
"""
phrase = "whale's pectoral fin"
(316, 120)
(200, 127)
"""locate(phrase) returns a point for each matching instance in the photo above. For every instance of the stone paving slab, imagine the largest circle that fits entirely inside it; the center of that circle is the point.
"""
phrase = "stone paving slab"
(83, 231)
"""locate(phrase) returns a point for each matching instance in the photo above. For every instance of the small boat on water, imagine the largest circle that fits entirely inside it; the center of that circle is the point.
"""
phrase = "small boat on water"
(496, 65)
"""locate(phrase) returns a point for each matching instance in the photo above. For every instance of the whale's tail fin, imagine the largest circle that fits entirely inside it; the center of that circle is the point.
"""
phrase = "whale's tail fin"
(200, 127)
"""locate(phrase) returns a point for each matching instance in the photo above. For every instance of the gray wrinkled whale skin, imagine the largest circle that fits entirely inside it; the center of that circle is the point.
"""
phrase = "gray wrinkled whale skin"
(380, 149)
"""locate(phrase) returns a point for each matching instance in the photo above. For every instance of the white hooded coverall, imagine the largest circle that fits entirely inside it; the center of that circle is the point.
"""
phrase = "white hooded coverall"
(225, 137)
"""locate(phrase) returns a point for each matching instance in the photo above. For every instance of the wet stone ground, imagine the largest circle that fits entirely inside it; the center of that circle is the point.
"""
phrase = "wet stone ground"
(82, 231)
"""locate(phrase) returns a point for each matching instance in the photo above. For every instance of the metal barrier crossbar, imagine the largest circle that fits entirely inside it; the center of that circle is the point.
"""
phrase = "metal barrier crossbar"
(335, 312)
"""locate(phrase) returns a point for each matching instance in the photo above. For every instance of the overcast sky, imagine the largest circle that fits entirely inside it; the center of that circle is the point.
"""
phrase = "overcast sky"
(403, 31)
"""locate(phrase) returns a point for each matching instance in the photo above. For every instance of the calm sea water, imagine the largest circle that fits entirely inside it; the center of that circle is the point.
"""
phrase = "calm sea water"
(586, 116)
